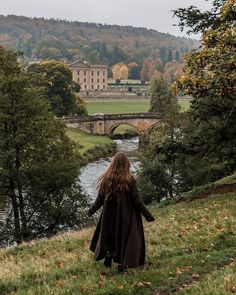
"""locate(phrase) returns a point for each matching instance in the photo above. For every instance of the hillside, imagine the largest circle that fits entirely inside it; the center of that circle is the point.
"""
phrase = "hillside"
(190, 250)
(41, 38)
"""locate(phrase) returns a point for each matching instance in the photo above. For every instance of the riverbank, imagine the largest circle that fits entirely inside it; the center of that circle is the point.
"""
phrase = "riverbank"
(190, 250)
(91, 147)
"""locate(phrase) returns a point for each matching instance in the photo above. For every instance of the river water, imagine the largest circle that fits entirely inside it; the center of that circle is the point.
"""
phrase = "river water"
(92, 171)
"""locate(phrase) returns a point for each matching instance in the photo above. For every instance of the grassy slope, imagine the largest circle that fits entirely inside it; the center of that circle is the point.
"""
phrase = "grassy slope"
(187, 240)
(91, 146)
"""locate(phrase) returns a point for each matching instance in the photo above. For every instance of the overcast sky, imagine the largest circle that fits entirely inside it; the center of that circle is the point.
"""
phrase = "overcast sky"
(154, 14)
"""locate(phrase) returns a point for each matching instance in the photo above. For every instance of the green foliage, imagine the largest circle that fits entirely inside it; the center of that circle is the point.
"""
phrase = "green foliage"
(161, 95)
(210, 75)
(153, 181)
(38, 163)
(201, 148)
(197, 21)
(59, 88)
(161, 165)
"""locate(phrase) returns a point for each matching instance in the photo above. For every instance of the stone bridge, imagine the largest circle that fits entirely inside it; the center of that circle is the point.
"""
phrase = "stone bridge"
(105, 124)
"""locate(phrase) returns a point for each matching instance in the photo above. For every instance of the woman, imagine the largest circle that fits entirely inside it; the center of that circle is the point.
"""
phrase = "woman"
(119, 234)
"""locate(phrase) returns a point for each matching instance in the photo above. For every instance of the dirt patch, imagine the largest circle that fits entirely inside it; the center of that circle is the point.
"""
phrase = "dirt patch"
(217, 190)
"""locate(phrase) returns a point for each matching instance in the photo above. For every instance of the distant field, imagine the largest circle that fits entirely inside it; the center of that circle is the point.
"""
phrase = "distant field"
(117, 107)
(125, 106)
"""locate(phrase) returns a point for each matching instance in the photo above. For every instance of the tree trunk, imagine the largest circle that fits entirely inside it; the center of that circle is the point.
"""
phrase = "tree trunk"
(17, 227)
(20, 196)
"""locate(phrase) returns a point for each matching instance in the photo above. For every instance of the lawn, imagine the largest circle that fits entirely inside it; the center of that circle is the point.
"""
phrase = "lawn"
(125, 106)
(191, 249)
(91, 146)
(117, 106)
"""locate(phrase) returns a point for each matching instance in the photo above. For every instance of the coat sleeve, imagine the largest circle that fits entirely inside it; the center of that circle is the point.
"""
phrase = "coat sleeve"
(96, 205)
(138, 202)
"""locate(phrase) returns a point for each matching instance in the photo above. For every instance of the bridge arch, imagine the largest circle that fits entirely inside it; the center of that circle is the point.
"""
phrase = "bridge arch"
(153, 126)
(113, 127)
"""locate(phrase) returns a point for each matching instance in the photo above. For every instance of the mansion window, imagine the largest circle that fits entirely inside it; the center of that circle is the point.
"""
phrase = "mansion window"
(92, 80)
(103, 86)
(84, 79)
(104, 73)
(92, 73)
(103, 80)
(97, 86)
(97, 80)
(77, 72)
(92, 86)
(98, 73)
(84, 72)
(85, 86)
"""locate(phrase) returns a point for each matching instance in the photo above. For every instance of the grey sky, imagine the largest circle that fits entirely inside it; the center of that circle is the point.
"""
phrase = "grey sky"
(155, 14)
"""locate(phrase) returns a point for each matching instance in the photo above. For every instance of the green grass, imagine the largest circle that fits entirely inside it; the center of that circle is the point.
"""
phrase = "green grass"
(187, 241)
(117, 107)
(90, 146)
(227, 180)
(125, 106)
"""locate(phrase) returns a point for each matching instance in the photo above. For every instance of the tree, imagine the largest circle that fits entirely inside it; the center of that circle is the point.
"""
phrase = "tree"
(116, 71)
(148, 69)
(210, 79)
(59, 88)
(172, 71)
(134, 70)
(161, 166)
(197, 21)
(161, 95)
(38, 163)
(177, 56)
(124, 72)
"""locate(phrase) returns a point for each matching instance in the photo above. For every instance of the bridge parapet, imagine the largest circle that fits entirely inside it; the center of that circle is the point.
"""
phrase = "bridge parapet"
(99, 117)
(107, 123)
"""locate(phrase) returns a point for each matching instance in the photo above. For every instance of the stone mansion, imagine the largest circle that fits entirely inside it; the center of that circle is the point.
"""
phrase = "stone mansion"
(90, 77)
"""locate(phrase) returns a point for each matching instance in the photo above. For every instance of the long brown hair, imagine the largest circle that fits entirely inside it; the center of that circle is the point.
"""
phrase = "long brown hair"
(116, 179)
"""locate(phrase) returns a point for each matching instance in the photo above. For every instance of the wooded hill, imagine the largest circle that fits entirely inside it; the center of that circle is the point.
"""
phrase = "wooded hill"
(41, 38)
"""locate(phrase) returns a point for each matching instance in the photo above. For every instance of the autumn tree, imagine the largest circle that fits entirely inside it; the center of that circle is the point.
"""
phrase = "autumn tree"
(120, 71)
(59, 88)
(172, 71)
(148, 69)
(38, 163)
(116, 72)
(124, 72)
(210, 75)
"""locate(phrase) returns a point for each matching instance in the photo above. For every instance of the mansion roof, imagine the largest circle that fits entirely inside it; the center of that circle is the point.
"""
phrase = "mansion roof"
(80, 64)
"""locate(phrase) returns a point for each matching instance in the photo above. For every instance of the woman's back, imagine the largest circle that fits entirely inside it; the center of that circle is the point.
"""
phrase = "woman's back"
(120, 230)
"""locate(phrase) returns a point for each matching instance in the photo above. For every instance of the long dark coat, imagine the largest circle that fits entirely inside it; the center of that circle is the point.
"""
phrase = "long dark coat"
(120, 228)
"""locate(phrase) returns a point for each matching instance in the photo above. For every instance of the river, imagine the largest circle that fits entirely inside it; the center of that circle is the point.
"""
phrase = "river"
(91, 171)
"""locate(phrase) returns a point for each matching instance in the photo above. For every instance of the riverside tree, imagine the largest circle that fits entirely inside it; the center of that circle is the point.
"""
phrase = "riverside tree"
(161, 164)
(210, 78)
(38, 164)
(161, 95)
(59, 88)
(203, 146)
